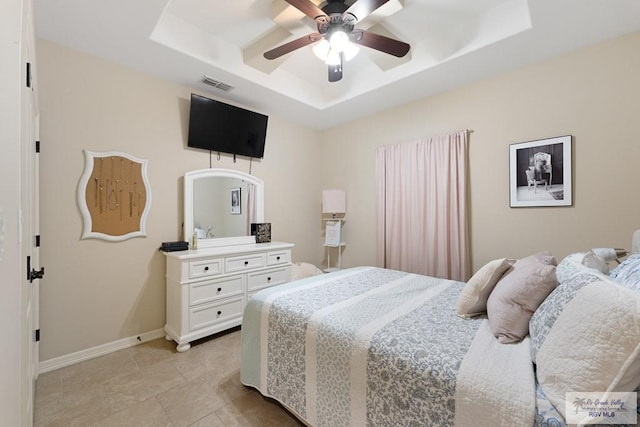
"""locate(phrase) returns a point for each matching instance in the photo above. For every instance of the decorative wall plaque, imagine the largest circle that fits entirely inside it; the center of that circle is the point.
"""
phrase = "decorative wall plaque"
(114, 196)
(262, 231)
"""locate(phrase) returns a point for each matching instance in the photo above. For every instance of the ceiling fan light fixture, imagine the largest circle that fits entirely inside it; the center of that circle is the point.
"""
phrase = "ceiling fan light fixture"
(339, 40)
(333, 57)
(351, 51)
(321, 50)
(336, 33)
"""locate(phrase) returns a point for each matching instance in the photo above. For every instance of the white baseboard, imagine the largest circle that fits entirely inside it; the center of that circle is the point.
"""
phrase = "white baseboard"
(100, 350)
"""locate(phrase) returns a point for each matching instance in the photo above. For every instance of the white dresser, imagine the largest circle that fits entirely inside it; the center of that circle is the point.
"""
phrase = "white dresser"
(207, 289)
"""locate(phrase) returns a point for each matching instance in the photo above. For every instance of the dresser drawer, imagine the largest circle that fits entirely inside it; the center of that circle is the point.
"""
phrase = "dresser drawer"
(205, 268)
(278, 257)
(244, 262)
(267, 278)
(211, 290)
(207, 315)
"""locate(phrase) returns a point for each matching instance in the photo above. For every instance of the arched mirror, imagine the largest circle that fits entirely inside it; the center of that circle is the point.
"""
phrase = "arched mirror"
(220, 205)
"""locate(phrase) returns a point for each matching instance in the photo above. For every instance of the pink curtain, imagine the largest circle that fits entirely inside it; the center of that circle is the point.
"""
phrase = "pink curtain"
(422, 207)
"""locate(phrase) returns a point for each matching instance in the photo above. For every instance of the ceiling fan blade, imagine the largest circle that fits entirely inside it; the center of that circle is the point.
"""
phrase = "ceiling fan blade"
(307, 7)
(381, 43)
(292, 45)
(363, 8)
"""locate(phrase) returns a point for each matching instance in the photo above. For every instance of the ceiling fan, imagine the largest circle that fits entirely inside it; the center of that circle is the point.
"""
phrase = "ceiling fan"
(336, 29)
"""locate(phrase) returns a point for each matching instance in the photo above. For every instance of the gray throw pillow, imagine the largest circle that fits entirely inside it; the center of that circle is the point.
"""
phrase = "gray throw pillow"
(518, 294)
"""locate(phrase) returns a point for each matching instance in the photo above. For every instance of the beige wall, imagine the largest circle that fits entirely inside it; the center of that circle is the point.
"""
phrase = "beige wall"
(592, 94)
(96, 292)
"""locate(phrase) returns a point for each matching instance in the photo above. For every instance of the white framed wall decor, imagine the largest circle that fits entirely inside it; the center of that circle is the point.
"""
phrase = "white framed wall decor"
(114, 196)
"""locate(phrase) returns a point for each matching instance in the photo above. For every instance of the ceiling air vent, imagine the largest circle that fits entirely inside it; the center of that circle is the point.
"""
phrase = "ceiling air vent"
(217, 84)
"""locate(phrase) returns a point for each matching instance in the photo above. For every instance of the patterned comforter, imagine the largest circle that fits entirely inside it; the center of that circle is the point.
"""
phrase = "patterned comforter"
(377, 347)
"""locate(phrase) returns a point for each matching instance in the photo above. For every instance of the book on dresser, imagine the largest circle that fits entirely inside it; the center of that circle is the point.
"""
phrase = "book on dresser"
(207, 289)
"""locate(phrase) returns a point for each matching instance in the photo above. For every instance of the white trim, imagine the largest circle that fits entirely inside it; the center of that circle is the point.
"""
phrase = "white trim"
(97, 351)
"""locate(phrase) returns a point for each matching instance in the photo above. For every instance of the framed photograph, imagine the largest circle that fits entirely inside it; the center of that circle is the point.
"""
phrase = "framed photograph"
(540, 173)
(332, 233)
(236, 207)
(262, 231)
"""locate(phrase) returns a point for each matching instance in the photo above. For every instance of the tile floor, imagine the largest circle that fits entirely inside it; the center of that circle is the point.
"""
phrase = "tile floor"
(151, 385)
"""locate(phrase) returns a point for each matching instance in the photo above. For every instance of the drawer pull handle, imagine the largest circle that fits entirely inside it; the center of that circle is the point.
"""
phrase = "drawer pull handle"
(219, 289)
(277, 258)
(268, 279)
(246, 263)
(206, 268)
(219, 313)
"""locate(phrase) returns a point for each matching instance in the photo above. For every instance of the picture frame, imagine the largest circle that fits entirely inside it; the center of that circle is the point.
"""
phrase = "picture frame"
(262, 231)
(332, 233)
(114, 196)
(540, 173)
(236, 204)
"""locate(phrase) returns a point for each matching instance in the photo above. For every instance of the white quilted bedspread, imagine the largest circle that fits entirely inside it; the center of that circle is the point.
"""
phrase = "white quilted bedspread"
(369, 346)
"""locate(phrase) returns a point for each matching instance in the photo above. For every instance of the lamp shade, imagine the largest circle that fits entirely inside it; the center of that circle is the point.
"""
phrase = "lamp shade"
(321, 49)
(334, 201)
(331, 56)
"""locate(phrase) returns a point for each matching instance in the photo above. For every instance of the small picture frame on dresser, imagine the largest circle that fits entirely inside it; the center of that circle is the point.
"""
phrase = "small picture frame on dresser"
(262, 231)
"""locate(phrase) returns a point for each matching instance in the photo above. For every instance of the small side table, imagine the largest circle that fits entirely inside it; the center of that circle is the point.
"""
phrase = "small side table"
(329, 269)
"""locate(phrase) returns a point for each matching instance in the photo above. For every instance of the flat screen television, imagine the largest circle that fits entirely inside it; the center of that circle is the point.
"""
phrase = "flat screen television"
(216, 126)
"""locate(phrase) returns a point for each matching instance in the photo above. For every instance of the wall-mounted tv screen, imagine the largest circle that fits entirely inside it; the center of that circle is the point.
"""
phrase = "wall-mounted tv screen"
(216, 126)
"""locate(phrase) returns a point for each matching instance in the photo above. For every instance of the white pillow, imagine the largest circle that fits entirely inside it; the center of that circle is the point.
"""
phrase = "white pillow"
(593, 346)
(628, 273)
(473, 298)
(592, 260)
(301, 270)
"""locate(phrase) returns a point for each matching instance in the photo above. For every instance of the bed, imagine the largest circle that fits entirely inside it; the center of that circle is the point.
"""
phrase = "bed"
(378, 347)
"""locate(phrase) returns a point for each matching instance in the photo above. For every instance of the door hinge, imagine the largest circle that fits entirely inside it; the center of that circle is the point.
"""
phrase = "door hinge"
(38, 241)
(32, 273)
(28, 74)
(37, 146)
(37, 335)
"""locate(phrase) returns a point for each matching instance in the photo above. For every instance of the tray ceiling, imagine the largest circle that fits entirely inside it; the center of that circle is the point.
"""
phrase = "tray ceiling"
(453, 42)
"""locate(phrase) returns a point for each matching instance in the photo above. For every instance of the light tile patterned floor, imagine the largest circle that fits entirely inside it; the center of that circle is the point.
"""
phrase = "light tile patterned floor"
(151, 385)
